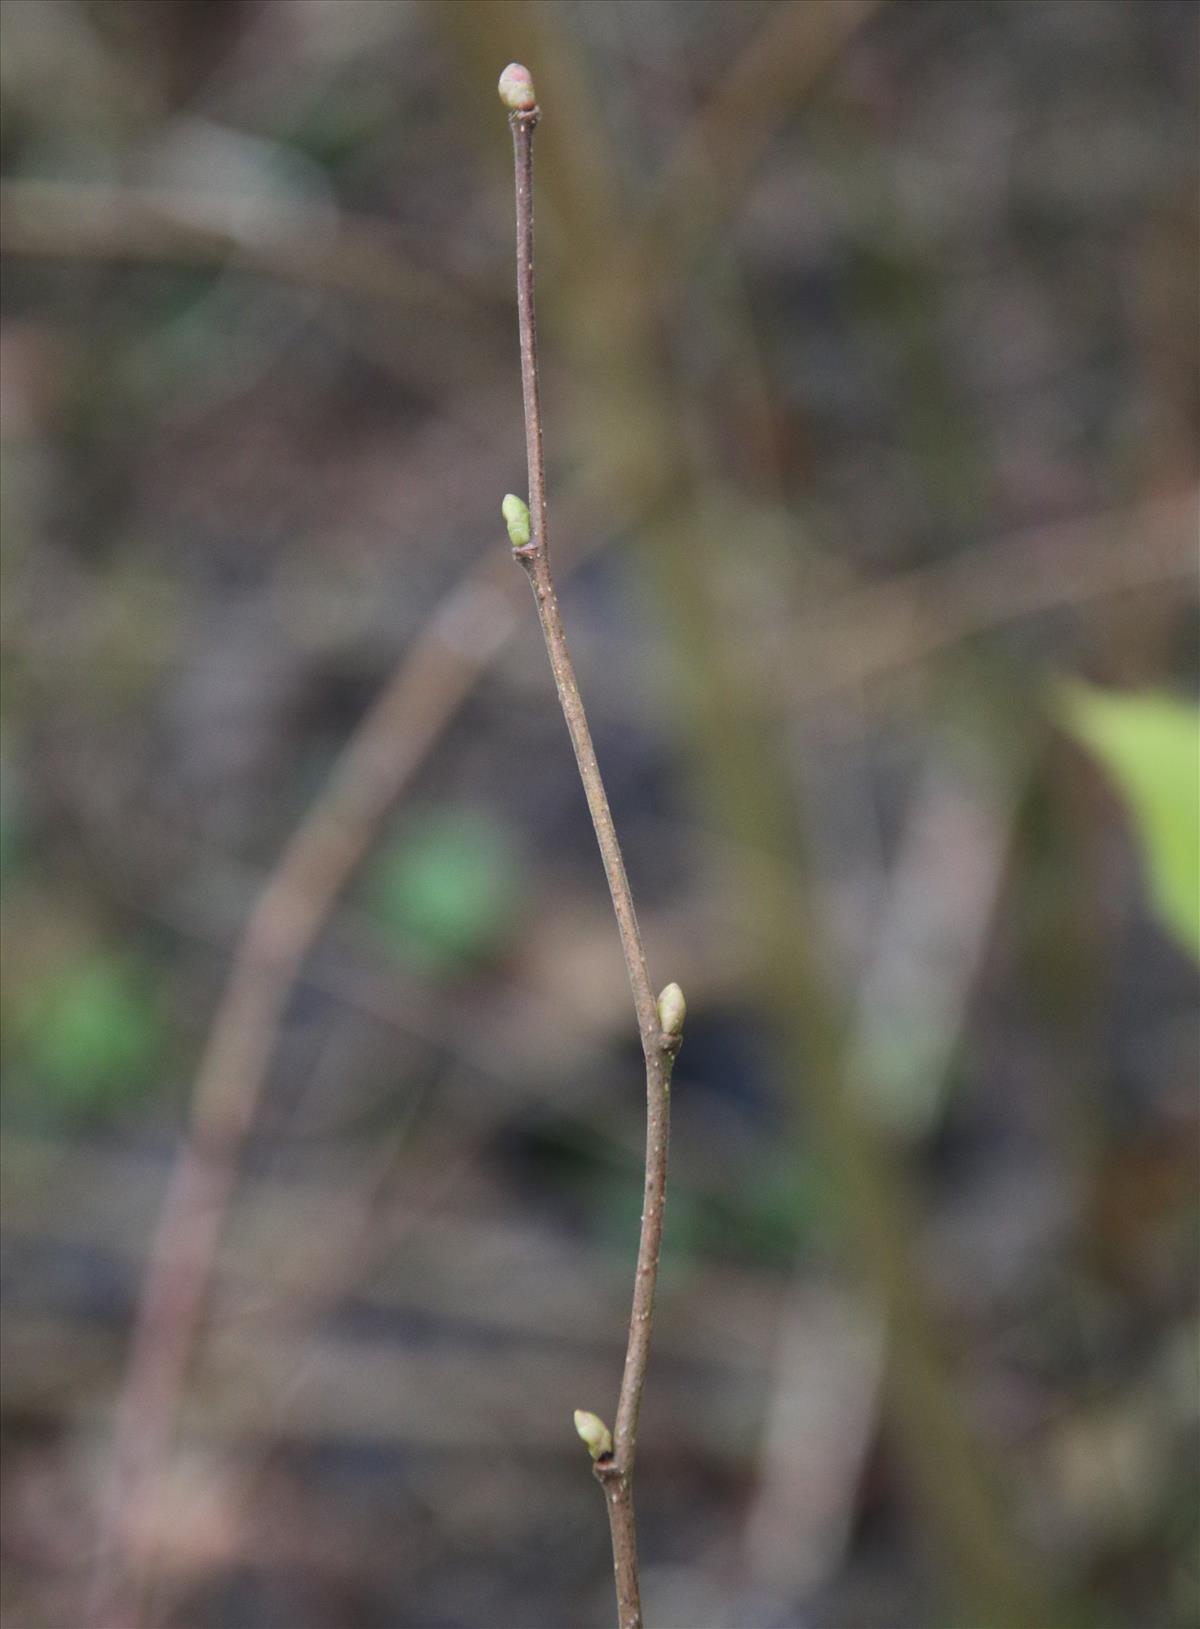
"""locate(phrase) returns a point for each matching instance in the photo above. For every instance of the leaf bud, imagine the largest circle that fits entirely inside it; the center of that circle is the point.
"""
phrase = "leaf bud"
(594, 1432)
(516, 89)
(672, 1010)
(516, 517)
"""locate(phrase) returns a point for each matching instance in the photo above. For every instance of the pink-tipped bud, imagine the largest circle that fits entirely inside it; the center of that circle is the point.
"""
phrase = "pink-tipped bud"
(516, 89)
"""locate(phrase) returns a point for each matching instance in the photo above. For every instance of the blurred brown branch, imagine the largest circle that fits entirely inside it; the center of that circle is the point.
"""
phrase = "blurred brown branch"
(67, 220)
(862, 634)
(332, 841)
(781, 65)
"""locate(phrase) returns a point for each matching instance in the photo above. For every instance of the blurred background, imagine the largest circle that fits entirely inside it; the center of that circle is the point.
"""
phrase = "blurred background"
(870, 358)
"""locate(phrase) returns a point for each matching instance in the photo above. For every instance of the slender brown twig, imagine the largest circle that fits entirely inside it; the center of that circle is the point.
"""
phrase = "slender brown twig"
(660, 1022)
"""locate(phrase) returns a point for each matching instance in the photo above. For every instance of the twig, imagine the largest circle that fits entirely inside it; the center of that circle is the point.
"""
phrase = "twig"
(660, 1023)
(750, 784)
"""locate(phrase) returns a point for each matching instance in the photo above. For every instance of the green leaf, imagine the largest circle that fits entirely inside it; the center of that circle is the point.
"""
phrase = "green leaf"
(446, 888)
(91, 1034)
(1149, 744)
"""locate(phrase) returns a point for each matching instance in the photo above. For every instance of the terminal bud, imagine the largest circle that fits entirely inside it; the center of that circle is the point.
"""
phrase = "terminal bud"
(516, 89)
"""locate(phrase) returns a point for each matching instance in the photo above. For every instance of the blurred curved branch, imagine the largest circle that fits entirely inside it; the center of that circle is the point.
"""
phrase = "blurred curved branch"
(393, 740)
(780, 66)
(865, 633)
(67, 220)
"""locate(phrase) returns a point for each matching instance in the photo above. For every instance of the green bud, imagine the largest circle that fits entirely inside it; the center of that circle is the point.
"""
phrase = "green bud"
(516, 89)
(594, 1432)
(672, 1010)
(516, 517)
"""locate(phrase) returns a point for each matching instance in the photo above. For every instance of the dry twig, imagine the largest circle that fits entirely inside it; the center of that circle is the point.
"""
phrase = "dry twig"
(660, 1023)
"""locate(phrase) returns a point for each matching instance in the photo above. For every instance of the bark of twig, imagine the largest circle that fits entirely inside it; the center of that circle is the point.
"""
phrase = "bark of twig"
(614, 1469)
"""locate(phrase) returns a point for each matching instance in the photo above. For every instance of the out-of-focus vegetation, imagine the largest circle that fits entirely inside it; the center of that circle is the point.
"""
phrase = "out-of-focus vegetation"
(1151, 747)
(871, 383)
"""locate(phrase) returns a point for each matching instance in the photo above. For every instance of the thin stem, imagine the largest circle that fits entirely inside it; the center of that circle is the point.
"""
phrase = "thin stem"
(618, 1496)
(616, 1471)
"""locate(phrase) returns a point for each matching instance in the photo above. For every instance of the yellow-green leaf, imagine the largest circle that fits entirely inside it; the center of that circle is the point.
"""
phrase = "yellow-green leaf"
(1150, 745)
